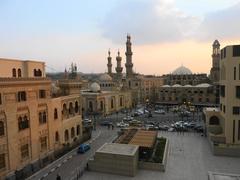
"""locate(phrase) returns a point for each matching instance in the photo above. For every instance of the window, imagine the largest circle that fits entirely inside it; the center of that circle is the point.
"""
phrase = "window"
(24, 151)
(121, 101)
(56, 136)
(76, 107)
(2, 161)
(224, 53)
(234, 73)
(14, 73)
(200, 99)
(78, 130)
(0, 98)
(214, 120)
(22, 96)
(112, 104)
(238, 91)
(236, 110)
(233, 131)
(43, 142)
(42, 117)
(238, 129)
(72, 132)
(42, 93)
(236, 51)
(224, 108)
(19, 73)
(71, 111)
(66, 135)
(2, 131)
(55, 113)
(23, 123)
(222, 91)
(239, 72)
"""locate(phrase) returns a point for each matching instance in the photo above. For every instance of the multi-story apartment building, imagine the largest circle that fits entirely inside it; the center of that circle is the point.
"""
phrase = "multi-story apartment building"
(33, 125)
(223, 124)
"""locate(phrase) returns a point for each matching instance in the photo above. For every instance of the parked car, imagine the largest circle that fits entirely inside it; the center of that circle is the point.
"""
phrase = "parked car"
(160, 111)
(87, 121)
(105, 123)
(128, 118)
(83, 148)
(122, 125)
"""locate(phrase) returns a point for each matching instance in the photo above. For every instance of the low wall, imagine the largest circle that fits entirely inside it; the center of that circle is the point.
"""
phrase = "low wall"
(156, 166)
(225, 150)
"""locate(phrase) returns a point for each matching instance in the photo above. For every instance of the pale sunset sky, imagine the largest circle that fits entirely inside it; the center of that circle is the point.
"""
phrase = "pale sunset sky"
(165, 33)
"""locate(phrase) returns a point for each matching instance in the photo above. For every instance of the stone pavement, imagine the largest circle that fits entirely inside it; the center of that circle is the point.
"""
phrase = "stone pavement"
(190, 158)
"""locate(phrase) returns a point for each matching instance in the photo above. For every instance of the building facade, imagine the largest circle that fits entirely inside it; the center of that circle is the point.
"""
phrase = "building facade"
(98, 101)
(33, 125)
(223, 124)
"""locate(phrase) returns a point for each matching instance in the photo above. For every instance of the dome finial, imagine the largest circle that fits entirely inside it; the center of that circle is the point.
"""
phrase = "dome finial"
(109, 52)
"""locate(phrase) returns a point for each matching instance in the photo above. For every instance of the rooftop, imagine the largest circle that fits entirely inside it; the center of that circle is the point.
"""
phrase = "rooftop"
(144, 138)
(122, 149)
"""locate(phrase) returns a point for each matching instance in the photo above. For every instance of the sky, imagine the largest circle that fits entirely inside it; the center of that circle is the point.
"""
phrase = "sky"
(165, 33)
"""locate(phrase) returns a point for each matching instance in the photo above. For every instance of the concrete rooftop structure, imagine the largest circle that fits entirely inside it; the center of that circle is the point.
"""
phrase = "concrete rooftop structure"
(121, 149)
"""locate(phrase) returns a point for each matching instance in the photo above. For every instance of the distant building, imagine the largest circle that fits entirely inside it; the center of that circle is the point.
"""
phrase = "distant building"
(223, 124)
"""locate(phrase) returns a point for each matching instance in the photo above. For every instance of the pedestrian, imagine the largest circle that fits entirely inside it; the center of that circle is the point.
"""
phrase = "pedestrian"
(58, 177)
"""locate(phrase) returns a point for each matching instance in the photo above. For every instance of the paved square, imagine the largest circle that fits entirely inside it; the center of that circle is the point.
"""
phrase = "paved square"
(190, 158)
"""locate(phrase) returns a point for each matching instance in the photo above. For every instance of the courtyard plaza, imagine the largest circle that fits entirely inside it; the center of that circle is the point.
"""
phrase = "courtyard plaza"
(190, 158)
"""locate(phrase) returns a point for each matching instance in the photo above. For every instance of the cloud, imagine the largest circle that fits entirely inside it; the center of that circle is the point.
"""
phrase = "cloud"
(222, 24)
(161, 21)
(149, 21)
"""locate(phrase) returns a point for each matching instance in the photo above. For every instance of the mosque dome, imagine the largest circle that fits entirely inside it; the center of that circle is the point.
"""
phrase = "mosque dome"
(203, 85)
(182, 70)
(105, 77)
(94, 87)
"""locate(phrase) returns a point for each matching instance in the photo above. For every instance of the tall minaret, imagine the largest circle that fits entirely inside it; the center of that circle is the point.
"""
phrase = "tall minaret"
(119, 66)
(215, 70)
(129, 64)
(109, 64)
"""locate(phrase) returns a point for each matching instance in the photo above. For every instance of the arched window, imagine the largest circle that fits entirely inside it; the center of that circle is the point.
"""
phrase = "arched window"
(121, 101)
(56, 136)
(214, 120)
(78, 130)
(40, 117)
(19, 73)
(76, 107)
(2, 128)
(44, 117)
(90, 106)
(39, 73)
(34, 72)
(55, 113)
(66, 135)
(14, 73)
(101, 105)
(112, 103)
(70, 108)
(25, 122)
(72, 132)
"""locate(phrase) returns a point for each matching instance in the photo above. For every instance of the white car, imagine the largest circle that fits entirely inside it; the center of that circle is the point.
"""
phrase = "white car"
(128, 118)
(122, 125)
(160, 111)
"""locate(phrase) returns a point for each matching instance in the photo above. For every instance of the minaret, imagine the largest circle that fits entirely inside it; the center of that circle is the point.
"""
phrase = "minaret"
(119, 66)
(109, 64)
(129, 64)
(215, 70)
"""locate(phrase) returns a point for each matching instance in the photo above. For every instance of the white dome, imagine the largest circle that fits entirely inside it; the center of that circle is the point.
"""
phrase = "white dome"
(105, 77)
(181, 71)
(166, 86)
(95, 87)
(176, 85)
(203, 85)
(188, 85)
